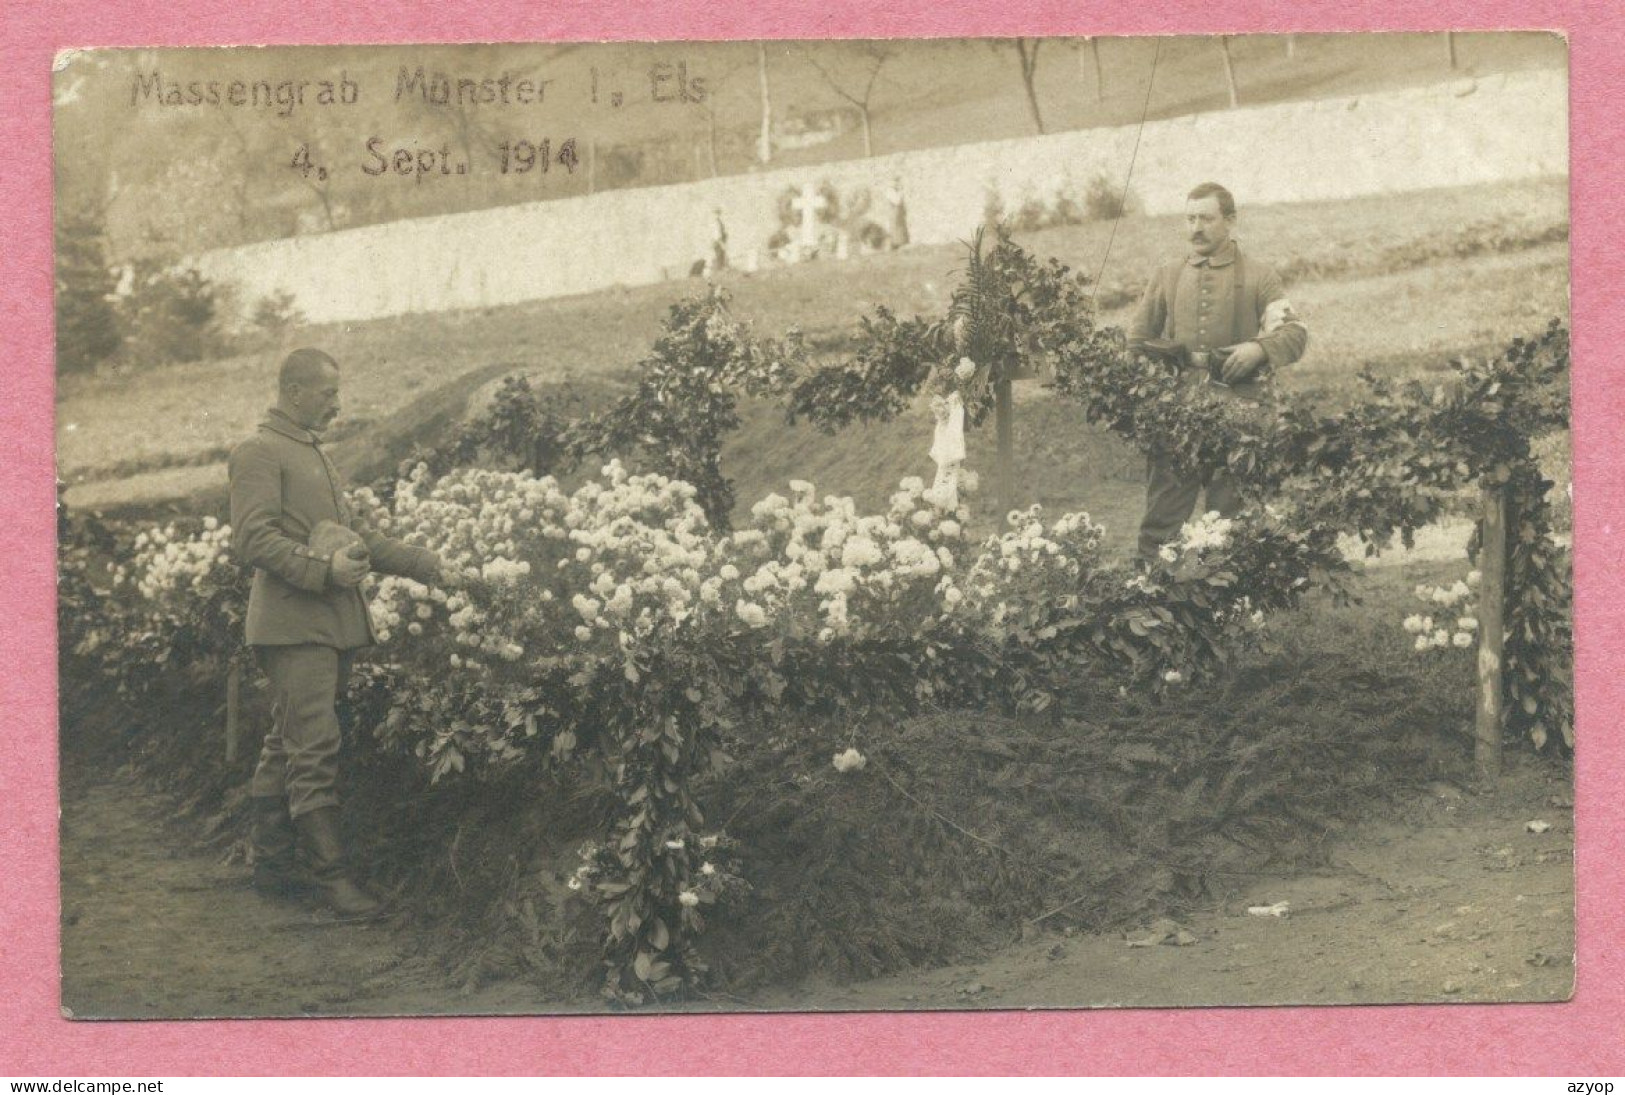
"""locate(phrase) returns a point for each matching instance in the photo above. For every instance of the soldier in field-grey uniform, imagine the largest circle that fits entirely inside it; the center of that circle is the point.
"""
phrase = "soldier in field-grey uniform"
(306, 621)
(1234, 326)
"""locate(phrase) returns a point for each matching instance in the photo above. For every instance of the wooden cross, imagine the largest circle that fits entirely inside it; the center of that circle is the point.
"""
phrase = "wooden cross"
(1004, 429)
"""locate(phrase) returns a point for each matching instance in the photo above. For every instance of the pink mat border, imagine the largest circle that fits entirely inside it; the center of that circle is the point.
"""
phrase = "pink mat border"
(1583, 1037)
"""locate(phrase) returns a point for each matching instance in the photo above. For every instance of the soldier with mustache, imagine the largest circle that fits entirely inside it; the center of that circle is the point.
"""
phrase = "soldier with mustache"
(1227, 322)
(292, 523)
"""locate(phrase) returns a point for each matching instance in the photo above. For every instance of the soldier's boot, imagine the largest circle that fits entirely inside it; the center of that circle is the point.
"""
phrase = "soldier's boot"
(271, 837)
(324, 852)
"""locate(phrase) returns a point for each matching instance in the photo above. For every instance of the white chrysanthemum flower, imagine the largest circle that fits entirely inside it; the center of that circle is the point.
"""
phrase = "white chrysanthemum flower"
(858, 551)
(850, 761)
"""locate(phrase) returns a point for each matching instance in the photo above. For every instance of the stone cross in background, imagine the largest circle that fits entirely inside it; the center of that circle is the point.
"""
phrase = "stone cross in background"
(808, 206)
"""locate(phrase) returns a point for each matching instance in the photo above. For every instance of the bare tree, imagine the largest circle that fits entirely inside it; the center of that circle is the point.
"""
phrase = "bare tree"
(1027, 52)
(311, 170)
(710, 135)
(764, 144)
(716, 81)
(471, 131)
(477, 128)
(1229, 68)
(1090, 47)
(872, 57)
(476, 131)
(1450, 47)
(239, 183)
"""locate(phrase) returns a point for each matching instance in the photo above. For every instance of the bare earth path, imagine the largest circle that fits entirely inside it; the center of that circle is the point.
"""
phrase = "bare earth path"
(153, 927)
(1449, 898)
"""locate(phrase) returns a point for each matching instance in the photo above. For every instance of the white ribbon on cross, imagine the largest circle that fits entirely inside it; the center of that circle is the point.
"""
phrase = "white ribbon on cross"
(947, 449)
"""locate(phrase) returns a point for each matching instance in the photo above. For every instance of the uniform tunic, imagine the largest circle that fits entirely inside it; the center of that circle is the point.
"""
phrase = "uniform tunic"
(1203, 302)
(304, 628)
(282, 485)
(1208, 311)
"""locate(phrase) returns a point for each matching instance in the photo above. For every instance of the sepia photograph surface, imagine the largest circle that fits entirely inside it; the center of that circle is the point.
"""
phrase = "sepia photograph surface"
(814, 525)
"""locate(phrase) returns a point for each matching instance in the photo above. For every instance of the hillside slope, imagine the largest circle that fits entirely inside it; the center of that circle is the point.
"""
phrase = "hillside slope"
(1378, 280)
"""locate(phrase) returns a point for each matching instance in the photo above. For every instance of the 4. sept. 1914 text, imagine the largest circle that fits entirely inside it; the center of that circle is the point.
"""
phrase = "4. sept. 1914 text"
(418, 161)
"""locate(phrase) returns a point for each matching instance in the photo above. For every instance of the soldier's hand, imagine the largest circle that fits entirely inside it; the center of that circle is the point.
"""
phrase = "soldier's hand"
(349, 571)
(1243, 362)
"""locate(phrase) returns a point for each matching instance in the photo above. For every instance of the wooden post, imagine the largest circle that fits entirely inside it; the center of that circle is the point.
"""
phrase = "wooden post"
(234, 690)
(1491, 634)
(1450, 47)
(1004, 416)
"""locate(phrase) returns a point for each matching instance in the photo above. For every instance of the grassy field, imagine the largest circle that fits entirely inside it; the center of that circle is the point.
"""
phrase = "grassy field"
(161, 436)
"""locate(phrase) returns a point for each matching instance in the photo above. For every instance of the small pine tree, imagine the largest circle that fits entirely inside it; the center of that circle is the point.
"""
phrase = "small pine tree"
(277, 312)
(87, 329)
(171, 315)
